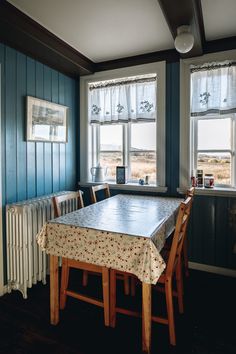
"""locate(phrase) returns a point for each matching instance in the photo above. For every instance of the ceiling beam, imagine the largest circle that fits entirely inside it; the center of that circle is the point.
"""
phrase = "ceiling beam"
(21, 32)
(169, 56)
(219, 45)
(185, 12)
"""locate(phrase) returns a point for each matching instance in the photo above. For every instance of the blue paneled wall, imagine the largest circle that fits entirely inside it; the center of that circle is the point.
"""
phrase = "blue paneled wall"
(32, 169)
(172, 127)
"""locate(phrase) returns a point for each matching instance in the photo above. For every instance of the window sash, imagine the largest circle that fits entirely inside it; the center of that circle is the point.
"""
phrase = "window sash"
(196, 151)
(126, 148)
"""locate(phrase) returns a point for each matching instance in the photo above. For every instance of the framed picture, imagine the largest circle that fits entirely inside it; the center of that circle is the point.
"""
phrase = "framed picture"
(46, 121)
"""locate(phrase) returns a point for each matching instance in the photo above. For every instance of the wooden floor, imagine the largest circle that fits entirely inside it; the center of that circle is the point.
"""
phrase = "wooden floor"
(207, 327)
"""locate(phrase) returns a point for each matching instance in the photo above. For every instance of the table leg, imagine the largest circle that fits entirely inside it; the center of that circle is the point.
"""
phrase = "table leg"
(147, 317)
(54, 290)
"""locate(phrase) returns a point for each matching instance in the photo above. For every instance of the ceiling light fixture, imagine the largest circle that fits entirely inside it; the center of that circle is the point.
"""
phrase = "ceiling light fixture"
(184, 40)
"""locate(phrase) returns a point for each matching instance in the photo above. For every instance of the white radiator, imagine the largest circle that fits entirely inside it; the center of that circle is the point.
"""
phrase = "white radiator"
(26, 263)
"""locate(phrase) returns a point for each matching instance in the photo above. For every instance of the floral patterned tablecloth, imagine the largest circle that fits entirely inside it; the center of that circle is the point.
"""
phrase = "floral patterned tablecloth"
(124, 232)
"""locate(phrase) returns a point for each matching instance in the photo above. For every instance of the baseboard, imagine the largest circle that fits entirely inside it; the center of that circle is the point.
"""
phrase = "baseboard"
(212, 269)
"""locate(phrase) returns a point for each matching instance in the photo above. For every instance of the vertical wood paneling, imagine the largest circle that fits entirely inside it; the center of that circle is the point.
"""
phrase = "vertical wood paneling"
(31, 157)
(21, 127)
(77, 116)
(3, 121)
(172, 127)
(62, 147)
(55, 146)
(40, 180)
(48, 146)
(31, 169)
(209, 222)
(231, 236)
(70, 150)
(221, 231)
(10, 125)
(202, 234)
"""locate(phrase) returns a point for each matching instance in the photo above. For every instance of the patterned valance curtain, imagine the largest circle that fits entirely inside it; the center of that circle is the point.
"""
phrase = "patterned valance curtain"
(213, 89)
(123, 101)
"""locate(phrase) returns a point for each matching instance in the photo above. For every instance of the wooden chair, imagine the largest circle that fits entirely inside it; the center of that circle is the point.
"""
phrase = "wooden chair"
(70, 263)
(190, 193)
(95, 189)
(174, 267)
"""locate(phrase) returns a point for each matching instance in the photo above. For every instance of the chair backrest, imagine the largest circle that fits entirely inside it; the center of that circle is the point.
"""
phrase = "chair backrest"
(95, 189)
(190, 192)
(179, 235)
(73, 200)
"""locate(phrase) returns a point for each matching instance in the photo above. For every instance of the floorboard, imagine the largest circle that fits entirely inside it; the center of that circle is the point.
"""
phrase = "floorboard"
(207, 326)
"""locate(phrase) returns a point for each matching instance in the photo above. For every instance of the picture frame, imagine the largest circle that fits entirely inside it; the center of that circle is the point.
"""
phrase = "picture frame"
(46, 121)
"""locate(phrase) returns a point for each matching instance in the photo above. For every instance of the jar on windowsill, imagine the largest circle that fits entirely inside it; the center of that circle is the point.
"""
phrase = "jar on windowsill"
(209, 180)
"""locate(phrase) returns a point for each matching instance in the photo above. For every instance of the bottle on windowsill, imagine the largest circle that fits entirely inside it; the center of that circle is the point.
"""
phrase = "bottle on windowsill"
(200, 178)
(193, 179)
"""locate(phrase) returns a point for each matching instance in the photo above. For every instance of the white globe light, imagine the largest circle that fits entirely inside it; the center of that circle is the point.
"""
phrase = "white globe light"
(184, 40)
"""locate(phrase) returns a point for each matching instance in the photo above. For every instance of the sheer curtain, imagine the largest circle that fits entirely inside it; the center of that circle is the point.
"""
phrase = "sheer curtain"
(213, 89)
(123, 101)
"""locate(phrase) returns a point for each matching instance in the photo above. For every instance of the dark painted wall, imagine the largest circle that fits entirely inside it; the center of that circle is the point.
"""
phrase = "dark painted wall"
(32, 169)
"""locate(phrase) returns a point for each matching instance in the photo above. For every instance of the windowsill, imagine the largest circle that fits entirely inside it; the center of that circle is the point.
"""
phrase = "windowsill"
(216, 191)
(128, 186)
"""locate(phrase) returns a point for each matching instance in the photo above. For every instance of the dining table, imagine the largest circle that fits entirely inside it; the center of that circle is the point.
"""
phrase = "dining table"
(124, 232)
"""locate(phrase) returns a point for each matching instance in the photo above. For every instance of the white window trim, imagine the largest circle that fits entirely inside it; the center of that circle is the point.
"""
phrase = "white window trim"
(156, 68)
(185, 144)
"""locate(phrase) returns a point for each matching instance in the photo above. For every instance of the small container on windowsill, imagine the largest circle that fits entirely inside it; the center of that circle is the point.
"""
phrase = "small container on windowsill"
(121, 175)
(200, 178)
(209, 180)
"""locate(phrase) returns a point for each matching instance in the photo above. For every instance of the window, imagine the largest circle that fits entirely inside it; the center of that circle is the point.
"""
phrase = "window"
(142, 151)
(208, 121)
(123, 124)
(214, 149)
(213, 107)
(123, 116)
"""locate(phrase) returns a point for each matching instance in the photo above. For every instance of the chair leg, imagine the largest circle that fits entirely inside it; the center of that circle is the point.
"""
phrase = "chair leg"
(185, 256)
(179, 284)
(85, 278)
(170, 311)
(126, 284)
(133, 286)
(112, 298)
(64, 282)
(105, 290)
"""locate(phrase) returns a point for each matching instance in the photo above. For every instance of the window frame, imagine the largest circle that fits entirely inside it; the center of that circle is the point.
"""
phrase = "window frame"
(194, 144)
(159, 69)
(185, 148)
